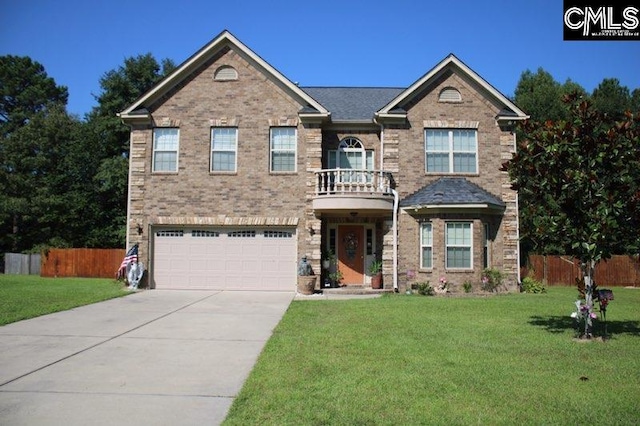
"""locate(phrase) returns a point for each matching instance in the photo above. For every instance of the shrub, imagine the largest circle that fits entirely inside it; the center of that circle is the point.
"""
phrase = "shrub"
(467, 286)
(425, 289)
(531, 285)
(491, 279)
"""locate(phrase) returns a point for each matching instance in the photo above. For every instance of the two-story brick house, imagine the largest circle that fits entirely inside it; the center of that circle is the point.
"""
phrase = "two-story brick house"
(236, 173)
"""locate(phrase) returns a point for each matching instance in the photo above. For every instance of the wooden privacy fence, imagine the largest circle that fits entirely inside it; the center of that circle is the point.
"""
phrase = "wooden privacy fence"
(563, 270)
(81, 262)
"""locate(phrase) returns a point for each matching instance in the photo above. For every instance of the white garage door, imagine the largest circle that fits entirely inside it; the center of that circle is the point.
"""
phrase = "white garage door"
(225, 259)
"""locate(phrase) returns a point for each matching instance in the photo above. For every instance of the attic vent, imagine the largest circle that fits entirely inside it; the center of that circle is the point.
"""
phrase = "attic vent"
(225, 73)
(450, 94)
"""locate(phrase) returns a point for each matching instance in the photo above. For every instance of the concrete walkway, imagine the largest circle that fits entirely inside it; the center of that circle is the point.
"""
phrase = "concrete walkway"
(151, 358)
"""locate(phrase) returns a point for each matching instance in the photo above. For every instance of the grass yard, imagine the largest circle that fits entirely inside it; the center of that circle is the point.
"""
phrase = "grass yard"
(28, 296)
(410, 360)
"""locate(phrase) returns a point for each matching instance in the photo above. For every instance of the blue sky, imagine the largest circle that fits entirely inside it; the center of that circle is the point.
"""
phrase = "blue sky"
(315, 43)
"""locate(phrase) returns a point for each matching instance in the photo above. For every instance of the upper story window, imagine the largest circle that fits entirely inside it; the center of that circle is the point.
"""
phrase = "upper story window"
(459, 245)
(351, 155)
(165, 149)
(451, 150)
(282, 148)
(225, 73)
(224, 146)
(449, 94)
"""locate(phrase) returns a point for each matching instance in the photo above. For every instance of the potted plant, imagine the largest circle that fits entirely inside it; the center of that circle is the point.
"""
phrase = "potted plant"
(328, 259)
(306, 279)
(335, 277)
(375, 270)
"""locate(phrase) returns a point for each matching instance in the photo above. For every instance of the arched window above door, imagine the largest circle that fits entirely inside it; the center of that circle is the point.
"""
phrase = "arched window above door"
(351, 144)
(351, 155)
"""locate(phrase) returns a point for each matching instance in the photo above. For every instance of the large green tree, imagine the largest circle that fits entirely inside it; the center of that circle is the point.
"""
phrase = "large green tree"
(25, 89)
(611, 98)
(36, 138)
(540, 95)
(44, 168)
(579, 184)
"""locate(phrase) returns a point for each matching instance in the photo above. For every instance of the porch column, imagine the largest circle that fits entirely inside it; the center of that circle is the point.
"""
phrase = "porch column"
(313, 163)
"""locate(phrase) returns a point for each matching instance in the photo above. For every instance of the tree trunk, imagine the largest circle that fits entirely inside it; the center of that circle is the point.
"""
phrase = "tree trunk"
(588, 272)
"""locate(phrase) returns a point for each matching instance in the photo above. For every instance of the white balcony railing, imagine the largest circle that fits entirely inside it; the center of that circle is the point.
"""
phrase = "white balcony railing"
(352, 182)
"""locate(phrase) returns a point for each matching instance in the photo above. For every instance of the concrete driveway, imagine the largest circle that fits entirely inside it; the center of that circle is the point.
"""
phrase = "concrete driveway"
(156, 357)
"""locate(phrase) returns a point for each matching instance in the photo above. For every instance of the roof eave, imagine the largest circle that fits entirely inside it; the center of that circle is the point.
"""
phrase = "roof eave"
(390, 117)
(314, 117)
(436, 208)
(135, 117)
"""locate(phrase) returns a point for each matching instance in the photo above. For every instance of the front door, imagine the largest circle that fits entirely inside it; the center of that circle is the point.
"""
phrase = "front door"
(351, 246)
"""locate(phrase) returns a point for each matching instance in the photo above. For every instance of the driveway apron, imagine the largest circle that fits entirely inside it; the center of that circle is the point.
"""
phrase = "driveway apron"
(157, 357)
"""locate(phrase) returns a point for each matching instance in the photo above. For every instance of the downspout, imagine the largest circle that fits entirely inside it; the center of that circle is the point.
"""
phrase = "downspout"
(395, 239)
(395, 210)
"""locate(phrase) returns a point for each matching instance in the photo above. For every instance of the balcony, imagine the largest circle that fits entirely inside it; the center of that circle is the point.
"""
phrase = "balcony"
(340, 191)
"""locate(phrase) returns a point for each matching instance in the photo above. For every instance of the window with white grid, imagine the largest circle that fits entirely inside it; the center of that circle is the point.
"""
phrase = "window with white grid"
(224, 146)
(451, 150)
(459, 244)
(165, 149)
(283, 149)
(426, 245)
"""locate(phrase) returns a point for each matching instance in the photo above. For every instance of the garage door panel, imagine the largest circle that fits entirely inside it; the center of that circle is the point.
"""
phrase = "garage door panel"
(225, 259)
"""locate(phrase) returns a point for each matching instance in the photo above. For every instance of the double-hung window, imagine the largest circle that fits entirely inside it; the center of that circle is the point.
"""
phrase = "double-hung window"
(451, 150)
(165, 149)
(224, 147)
(426, 245)
(283, 149)
(459, 245)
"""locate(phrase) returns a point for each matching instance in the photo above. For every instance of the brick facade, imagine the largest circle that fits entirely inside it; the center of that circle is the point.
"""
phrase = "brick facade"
(257, 101)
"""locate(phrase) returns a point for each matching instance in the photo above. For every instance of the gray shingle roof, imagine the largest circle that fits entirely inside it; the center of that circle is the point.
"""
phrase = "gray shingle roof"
(451, 191)
(353, 103)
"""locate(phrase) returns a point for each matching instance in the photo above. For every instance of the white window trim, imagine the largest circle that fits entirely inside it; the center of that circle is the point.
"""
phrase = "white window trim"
(235, 151)
(423, 245)
(155, 151)
(447, 245)
(487, 246)
(295, 151)
(450, 152)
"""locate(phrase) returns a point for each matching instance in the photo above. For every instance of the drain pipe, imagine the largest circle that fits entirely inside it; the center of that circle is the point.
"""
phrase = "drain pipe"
(395, 239)
(395, 209)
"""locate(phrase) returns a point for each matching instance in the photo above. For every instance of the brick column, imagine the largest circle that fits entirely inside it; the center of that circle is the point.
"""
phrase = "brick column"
(510, 242)
(312, 244)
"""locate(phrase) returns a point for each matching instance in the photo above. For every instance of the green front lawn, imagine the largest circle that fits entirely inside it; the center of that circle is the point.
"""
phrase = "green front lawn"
(409, 360)
(28, 296)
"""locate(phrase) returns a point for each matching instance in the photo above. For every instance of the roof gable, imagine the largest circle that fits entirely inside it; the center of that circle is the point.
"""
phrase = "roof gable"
(452, 192)
(224, 39)
(451, 62)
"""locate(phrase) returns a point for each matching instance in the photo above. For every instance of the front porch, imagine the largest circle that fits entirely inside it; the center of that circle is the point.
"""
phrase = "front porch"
(352, 222)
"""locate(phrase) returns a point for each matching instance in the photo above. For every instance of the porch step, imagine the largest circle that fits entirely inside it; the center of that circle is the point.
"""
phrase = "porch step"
(355, 289)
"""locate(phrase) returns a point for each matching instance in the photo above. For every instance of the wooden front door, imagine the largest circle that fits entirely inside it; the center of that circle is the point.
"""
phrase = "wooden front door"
(351, 246)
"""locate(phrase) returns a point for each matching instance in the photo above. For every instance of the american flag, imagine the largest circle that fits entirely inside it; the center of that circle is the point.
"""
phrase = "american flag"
(131, 255)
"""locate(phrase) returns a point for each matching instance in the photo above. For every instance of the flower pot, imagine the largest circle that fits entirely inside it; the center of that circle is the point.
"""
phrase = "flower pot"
(307, 284)
(376, 281)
